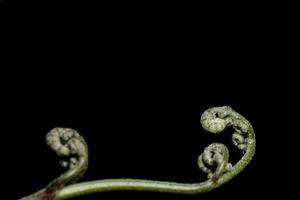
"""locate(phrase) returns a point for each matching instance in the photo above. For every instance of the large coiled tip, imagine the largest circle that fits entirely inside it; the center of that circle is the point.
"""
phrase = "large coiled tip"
(215, 119)
(68, 144)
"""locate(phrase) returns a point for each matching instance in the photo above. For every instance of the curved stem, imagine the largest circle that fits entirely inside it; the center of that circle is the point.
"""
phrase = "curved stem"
(133, 184)
(214, 161)
(157, 186)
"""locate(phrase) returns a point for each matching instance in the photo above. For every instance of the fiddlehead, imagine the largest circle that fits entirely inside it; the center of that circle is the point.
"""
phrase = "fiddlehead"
(68, 144)
(217, 119)
(214, 161)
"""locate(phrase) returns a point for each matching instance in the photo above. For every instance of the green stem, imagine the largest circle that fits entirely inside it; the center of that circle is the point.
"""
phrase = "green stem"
(156, 186)
(148, 185)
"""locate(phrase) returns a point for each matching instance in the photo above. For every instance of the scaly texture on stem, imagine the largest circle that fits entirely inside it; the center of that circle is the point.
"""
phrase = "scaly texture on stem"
(214, 161)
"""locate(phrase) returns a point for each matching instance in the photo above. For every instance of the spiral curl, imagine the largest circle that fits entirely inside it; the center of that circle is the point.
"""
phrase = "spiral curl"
(214, 161)
(216, 119)
(68, 144)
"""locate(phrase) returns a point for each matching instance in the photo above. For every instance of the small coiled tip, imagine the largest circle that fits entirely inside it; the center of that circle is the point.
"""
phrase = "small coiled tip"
(214, 160)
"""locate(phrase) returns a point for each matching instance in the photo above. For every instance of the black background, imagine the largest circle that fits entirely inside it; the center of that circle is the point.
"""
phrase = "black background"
(134, 84)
